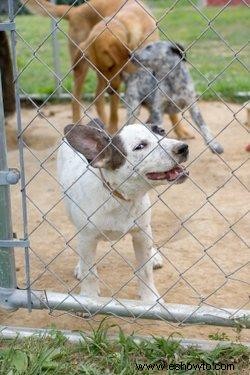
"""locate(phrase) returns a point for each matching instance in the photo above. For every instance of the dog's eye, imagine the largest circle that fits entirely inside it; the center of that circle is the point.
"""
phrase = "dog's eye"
(140, 146)
(148, 47)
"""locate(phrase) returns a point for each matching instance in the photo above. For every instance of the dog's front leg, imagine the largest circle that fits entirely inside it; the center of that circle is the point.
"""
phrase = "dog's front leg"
(79, 75)
(100, 99)
(156, 114)
(142, 242)
(155, 108)
(114, 104)
(114, 107)
(205, 131)
(133, 105)
(85, 270)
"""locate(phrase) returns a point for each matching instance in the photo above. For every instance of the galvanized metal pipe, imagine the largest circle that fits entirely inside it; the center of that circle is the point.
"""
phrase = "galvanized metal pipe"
(7, 261)
(129, 308)
(20, 333)
(21, 152)
(55, 50)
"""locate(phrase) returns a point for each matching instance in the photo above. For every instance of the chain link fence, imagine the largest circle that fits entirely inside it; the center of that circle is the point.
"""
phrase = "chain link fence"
(200, 229)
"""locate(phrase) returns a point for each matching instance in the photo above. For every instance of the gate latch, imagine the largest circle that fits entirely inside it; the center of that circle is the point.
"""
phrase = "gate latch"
(10, 177)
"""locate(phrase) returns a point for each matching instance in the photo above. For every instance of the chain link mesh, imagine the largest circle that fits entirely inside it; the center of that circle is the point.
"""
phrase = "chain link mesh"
(201, 229)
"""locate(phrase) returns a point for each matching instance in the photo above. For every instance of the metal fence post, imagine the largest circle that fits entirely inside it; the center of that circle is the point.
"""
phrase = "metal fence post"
(55, 50)
(7, 260)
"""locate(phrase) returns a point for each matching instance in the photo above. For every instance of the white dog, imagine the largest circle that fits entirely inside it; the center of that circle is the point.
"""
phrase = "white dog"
(106, 183)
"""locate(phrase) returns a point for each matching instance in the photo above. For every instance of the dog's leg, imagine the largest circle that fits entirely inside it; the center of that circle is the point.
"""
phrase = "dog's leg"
(114, 106)
(180, 130)
(156, 259)
(143, 252)
(85, 269)
(132, 103)
(100, 99)
(133, 114)
(155, 110)
(205, 131)
(79, 74)
(154, 105)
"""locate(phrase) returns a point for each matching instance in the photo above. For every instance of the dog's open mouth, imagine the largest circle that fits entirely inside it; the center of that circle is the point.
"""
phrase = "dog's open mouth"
(172, 175)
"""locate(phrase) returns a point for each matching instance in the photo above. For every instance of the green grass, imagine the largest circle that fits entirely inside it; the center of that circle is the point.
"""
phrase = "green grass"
(208, 54)
(97, 354)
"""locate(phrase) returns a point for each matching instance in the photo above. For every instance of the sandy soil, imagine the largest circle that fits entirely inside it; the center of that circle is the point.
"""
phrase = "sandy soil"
(208, 212)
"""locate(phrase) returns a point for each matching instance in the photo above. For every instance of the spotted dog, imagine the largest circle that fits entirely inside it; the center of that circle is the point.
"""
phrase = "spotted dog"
(163, 84)
(106, 183)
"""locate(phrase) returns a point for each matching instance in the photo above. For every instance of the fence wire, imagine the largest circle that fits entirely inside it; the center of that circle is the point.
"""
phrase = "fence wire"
(203, 241)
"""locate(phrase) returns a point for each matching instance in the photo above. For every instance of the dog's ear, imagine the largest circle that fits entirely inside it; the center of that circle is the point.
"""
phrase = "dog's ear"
(119, 53)
(94, 144)
(179, 50)
(96, 123)
(90, 142)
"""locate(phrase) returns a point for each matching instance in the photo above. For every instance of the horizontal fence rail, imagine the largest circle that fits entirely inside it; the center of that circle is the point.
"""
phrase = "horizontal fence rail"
(133, 309)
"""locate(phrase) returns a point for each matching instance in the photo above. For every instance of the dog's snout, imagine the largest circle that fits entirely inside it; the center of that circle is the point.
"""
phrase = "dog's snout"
(133, 56)
(181, 149)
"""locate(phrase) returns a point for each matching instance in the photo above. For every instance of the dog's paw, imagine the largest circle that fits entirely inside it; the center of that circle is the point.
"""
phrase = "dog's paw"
(78, 271)
(216, 148)
(157, 260)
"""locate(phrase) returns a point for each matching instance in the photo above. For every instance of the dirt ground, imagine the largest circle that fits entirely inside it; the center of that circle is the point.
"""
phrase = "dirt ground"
(202, 227)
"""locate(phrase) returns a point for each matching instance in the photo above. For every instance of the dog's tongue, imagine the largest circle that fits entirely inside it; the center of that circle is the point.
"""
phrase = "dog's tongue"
(169, 175)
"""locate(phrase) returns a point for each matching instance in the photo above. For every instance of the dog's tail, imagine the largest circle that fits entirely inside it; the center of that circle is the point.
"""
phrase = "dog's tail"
(47, 9)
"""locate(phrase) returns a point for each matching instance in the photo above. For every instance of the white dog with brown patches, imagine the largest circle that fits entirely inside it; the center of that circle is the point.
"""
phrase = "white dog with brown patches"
(106, 182)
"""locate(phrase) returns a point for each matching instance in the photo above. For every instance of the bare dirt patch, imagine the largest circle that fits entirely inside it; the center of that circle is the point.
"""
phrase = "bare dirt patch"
(205, 260)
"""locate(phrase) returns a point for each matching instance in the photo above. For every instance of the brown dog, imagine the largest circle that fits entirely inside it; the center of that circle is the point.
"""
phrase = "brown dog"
(81, 20)
(107, 50)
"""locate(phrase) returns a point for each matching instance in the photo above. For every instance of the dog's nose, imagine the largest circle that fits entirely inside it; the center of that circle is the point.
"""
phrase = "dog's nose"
(133, 56)
(181, 149)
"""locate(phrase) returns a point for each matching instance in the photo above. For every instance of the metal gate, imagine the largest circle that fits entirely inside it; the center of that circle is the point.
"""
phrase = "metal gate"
(14, 295)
